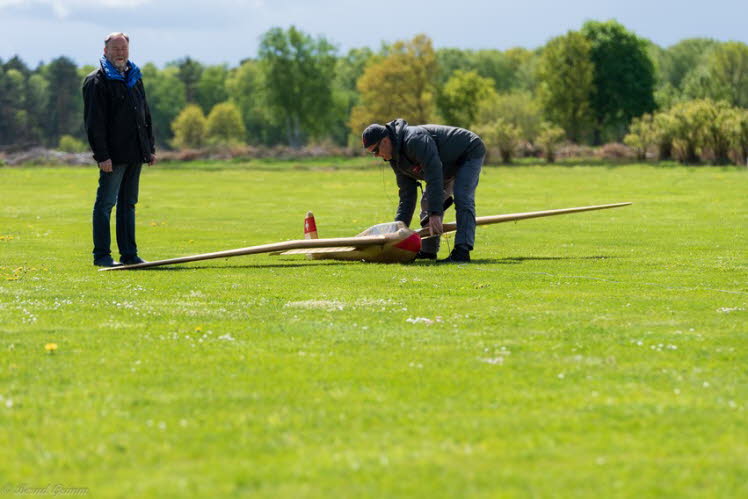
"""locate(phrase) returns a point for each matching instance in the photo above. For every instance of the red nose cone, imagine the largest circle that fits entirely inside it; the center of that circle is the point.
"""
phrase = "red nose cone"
(411, 243)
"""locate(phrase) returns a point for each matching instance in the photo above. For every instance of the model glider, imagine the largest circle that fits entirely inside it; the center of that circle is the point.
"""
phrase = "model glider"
(391, 242)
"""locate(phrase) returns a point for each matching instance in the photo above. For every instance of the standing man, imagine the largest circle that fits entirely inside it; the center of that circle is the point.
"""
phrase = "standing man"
(449, 160)
(118, 124)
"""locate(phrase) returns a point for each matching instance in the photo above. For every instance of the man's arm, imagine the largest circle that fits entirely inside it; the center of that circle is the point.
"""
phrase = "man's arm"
(421, 149)
(408, 192)
(94, 119)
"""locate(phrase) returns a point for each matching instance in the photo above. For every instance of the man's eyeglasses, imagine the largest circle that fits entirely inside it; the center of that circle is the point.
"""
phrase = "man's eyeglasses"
(375, 151)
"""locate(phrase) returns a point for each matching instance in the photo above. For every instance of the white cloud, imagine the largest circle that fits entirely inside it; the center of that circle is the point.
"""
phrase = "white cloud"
(63, 8)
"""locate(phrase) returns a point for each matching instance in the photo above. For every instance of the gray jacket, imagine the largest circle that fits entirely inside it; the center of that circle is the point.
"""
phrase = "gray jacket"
(432, 153)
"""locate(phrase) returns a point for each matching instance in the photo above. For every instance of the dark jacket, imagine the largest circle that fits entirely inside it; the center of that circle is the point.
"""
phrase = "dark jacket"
(432, 153)
(117, 120)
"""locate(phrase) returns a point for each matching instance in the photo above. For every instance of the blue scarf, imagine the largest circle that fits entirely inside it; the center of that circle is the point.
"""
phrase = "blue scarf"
(131, 77)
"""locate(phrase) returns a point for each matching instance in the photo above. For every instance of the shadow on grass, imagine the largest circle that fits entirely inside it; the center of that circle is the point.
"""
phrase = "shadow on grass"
(176, 267)
(514, 260)
(519, 259)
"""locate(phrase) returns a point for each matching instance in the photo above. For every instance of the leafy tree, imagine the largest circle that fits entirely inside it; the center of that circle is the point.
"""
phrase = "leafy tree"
(225, 125)
(247, 89)
(464, 93)
(523, 63)
(678, 60)
(348, 69)
(37, 96)
(25, 103)
(17, 63)
(700, 85)
(624, 77)
(189, 72)
(189, 128)
(495, 65)
(549, 138)
(565, 76)
(666, 96)
(449, 60)
(65, 106)
(211, 88)
(510, 70)
(400, 85)
(724, 76)
(166, 98)
(519, 108)
(13, 117)
(297, 72)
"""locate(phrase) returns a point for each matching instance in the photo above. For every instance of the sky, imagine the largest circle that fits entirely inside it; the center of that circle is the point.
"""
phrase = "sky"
(227, 31)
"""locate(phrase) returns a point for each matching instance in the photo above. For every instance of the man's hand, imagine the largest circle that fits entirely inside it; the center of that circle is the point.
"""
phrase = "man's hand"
(435, 225)
(106, 166)
(153, 159)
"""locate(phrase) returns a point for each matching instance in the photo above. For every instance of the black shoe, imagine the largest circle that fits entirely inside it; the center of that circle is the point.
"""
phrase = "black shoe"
(106, 261)
(458, 255)
(425, 255)
(132, 260)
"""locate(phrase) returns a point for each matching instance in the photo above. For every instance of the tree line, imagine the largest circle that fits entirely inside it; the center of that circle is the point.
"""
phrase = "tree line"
(595, 85)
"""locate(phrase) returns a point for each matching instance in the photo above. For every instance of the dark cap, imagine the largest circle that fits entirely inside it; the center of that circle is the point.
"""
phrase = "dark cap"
(373, 134)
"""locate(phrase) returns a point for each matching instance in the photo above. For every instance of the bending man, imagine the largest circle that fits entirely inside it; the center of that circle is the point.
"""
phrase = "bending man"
(449, 160)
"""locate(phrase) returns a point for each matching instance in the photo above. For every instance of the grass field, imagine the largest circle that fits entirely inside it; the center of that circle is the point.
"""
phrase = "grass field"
(600, 354)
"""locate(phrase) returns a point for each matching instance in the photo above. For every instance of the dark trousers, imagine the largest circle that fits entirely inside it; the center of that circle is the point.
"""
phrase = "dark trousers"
(119, 187)
(463, 188)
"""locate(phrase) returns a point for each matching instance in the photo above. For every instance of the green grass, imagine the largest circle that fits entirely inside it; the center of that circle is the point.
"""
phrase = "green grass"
(600, 354)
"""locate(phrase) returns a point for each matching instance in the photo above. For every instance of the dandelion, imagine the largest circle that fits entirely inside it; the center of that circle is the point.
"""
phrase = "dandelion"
(199, 329)
(50, 347)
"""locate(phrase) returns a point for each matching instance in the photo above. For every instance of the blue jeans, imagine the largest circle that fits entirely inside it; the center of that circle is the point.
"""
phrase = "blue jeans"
(463, 188)
(119, 187)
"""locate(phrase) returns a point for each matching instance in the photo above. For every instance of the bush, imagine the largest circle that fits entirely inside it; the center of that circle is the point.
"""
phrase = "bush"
(641, 136)
(549, 138)
(502, 135)
(189, 128)
(615, 150)
(68, 143)
(575, 151)
(702, 129)
(225, 125)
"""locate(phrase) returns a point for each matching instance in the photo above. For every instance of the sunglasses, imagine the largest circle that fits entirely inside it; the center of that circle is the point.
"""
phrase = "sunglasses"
(375, 151)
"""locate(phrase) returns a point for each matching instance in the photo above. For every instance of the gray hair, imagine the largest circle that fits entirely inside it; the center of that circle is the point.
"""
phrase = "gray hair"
(115, 35)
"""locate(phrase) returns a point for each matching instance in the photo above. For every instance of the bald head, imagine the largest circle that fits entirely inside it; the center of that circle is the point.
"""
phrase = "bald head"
(116, 34)
(117, 49)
